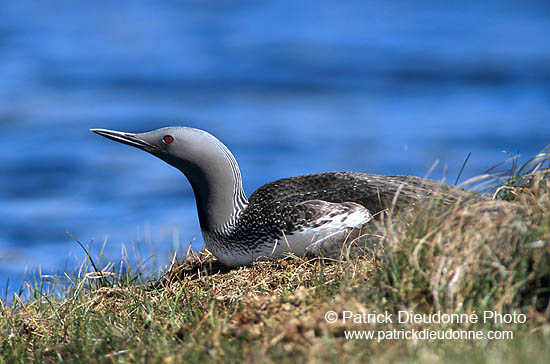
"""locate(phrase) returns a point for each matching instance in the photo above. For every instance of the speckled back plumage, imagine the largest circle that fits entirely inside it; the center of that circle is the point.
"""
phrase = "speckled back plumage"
(279, 208)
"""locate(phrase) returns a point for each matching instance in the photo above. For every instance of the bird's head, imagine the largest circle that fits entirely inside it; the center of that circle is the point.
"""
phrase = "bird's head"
(187, 149)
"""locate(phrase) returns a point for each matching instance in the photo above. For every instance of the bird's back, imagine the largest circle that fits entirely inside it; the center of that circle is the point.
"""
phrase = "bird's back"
(373, 191)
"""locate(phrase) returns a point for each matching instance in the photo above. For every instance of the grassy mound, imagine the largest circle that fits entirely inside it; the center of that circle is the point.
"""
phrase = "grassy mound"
(482, 259)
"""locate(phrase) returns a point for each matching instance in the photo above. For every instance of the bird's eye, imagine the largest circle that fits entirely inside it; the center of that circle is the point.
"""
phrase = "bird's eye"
(168, 139)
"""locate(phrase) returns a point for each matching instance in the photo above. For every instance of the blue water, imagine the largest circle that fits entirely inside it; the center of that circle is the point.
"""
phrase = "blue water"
(290, 87)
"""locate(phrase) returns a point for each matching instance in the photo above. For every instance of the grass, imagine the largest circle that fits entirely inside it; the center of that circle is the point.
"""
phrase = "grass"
(475, 257)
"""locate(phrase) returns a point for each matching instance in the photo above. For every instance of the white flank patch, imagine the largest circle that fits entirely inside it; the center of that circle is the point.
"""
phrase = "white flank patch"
(300, 240)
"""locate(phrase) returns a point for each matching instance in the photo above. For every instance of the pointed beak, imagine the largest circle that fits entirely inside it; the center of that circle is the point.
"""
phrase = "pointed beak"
(126, 138)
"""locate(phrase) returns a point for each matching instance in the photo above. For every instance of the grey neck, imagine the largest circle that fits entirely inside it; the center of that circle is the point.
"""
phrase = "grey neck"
(217, 184)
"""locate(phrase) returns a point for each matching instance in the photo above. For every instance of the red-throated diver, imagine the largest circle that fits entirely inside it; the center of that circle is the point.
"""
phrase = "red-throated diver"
(302, 215)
